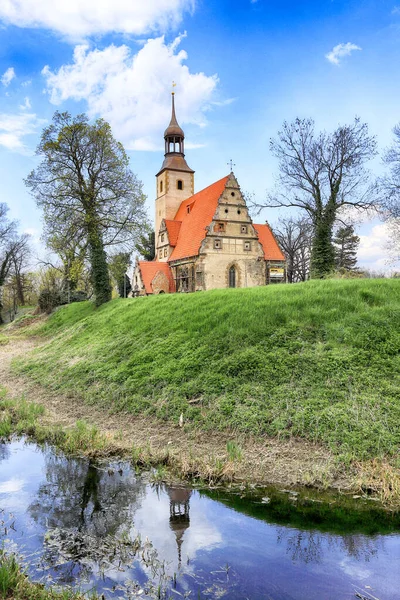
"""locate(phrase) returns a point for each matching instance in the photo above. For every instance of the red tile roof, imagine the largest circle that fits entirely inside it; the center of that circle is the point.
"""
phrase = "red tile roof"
(269, 243)
(202, 207)
(149, 269)
(173, 228)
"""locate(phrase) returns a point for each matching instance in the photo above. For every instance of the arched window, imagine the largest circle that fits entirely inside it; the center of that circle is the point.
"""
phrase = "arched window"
(232, 277)
(161, 186)
(179, 184)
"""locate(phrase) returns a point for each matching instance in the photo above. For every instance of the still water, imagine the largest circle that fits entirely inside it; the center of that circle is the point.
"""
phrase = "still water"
(107, 528)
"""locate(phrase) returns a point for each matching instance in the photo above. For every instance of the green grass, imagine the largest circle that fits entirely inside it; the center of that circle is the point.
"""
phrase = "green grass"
(14, 584)
(319, 360)
(20, 417)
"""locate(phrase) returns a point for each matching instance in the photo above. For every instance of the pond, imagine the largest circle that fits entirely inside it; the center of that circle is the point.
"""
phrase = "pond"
(105, 527)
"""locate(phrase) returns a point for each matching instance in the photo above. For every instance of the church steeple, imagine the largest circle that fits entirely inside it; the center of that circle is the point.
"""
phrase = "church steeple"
(174, 135)
(175, 180)
(174, 145)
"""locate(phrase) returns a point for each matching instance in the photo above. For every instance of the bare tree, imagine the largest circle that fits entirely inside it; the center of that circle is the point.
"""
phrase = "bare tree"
(19, 264)
(322, 173)
(294, 236)
(390, 195)
(10, 245)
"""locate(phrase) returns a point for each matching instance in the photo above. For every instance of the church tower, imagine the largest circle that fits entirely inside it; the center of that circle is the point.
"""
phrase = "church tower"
(175, 180)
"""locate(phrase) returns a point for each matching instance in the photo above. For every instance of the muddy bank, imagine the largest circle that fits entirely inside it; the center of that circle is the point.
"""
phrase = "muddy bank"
(207, 455)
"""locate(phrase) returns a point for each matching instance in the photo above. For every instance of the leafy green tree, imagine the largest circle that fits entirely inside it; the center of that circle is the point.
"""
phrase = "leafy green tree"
(322, 174)
(118, 265)
(87, 191)
(147, 246)
(346, 245)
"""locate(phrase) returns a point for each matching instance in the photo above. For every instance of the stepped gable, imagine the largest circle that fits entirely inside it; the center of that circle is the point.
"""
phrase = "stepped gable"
(173, 228)
(150, 270)
(196, 213)
(269, 243)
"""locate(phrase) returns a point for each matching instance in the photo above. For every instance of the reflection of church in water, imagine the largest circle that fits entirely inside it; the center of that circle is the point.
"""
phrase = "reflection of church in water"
(179, 520)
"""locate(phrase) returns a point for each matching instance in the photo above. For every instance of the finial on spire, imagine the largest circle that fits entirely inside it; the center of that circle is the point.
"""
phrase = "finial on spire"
(231, 164)
(173, 86)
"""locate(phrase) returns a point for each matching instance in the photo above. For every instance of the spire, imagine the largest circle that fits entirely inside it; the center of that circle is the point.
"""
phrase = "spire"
(174, 145)
(173, 128)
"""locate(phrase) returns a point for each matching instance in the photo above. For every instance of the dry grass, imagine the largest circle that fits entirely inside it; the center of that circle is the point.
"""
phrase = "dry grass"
(381, 479)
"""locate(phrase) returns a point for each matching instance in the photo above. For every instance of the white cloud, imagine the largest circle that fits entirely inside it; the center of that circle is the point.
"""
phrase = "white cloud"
(132, 92)
(340, 51)
(11, 486)
(77, 18)
(26, 105)
(396, 10)
(373, 252)
(8, 76)
(13, 129)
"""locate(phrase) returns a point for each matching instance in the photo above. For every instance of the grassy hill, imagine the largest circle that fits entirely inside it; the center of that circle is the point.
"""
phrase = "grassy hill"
(319, 360)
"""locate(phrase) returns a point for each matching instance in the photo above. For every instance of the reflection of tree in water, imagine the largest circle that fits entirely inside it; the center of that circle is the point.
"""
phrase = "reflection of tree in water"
(302, 546)
(4, 451)
(308, 546)
(360, 546)
(85, 509)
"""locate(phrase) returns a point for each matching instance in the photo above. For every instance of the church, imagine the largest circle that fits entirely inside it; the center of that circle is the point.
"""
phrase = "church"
(204, 240)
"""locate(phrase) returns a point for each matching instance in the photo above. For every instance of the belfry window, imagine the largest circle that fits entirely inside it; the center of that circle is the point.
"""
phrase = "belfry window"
(232, 277)
(161, 186)
(179, 184)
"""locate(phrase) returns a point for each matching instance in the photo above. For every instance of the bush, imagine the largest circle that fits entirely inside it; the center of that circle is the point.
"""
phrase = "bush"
(48, 300)
(74, 296)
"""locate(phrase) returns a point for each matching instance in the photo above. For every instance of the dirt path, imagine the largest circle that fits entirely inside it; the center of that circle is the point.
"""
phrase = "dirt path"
(285, 463)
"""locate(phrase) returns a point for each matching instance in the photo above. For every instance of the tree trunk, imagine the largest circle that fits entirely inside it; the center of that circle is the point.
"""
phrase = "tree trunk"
(323, 252)
(98, 260)
(20, 289)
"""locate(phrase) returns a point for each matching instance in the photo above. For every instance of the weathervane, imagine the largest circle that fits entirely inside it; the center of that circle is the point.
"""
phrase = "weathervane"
(231, 164)
(173, 86)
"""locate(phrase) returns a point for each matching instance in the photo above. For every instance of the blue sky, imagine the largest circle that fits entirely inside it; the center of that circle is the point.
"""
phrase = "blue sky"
(241, 68)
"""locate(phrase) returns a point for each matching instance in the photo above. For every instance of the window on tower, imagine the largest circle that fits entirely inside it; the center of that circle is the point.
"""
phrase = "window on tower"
(179, 184)
(161, 186)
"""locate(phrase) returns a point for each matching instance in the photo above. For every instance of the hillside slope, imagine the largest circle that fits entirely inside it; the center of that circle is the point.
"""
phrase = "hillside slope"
(319, 360)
